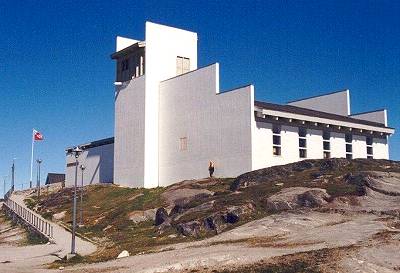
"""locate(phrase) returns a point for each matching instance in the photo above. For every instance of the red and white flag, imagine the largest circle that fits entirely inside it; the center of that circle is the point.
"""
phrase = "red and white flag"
(37, 135)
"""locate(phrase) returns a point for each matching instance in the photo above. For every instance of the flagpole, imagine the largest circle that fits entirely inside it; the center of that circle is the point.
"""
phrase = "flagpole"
(33, 142)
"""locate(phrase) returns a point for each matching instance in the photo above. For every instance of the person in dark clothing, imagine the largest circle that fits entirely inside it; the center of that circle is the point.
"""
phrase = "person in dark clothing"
(211, 168)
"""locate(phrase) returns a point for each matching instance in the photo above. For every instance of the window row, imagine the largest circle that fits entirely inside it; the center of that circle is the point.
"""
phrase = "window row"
(326, 144)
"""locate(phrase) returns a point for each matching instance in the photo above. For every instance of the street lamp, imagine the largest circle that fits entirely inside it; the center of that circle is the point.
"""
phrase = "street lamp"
(38, 161)
(76, 152)
(81, 208)
(4, 184)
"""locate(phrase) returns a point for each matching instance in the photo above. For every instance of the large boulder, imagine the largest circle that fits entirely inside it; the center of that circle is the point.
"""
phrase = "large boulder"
(161, 216)
(297, 197)
(219, 221)
(191, 228)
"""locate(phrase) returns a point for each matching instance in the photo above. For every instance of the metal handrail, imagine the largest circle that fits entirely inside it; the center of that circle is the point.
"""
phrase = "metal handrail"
(37, 222)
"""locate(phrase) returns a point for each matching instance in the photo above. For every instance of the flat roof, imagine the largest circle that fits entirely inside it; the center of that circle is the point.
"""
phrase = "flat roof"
(315, 113)
(93, 144)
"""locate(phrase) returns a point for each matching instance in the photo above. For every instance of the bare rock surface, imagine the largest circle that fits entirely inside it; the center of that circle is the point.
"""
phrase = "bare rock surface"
(297, 197)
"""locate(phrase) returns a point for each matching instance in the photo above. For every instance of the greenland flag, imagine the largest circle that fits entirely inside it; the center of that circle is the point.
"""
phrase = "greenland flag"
(37, 135)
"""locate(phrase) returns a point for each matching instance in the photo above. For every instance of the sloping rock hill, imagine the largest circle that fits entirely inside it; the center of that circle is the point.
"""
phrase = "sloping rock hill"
(343, 207)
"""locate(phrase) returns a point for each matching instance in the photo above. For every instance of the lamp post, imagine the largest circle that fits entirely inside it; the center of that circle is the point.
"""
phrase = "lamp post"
(12, 176)
(76, 152)
(4, 185)
(38, 161)
(81, 207)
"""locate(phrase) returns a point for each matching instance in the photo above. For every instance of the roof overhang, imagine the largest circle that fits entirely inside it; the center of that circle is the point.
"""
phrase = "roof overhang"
(264, 113)
(127, 50)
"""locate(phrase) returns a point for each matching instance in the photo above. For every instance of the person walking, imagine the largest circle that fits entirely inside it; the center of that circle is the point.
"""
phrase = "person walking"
(211, 168)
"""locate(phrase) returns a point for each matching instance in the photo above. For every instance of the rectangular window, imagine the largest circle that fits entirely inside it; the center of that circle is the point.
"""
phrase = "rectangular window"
(302, 143)
(327, 145)
(182, 65)
(276, 150)
(183, 143)
(370, 150)
(302, 153)
(370, 157)
(349, 148)
(276, 140)
(125, 64)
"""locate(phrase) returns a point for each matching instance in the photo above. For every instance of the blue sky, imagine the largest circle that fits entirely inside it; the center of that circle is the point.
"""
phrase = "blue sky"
(56, 74)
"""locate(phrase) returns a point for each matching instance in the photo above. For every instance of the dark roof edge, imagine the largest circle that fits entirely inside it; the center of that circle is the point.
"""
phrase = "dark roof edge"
(125, 50)
(316, 96)
(305, 111)
(96, 143)
(367, 112)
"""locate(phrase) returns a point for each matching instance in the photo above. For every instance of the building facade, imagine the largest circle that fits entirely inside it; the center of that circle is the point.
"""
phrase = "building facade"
(171, 119)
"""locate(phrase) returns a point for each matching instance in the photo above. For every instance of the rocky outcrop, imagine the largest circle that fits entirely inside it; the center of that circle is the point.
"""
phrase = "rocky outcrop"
(297, 197)
(161, 216)
(317, 168)
(191, 228)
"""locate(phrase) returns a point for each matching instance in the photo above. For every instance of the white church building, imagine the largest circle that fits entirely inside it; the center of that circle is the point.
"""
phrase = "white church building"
(171, 119)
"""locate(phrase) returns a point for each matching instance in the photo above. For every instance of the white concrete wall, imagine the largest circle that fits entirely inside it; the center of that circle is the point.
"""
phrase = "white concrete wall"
(315, 149)
(163, 45)
(217, 127)
(99, 163)
(335, 103)
(380, 148)
(123, 42)
(263, 143)
(262, 152)
(129, 133)
(359, 146)
(338, 145)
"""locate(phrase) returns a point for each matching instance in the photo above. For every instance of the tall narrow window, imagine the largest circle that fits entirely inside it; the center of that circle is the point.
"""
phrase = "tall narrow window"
(183, 143)
(349, 146)
(125, 64)
(370, 150)
(276, 140)
(302, 142)
(182, 65)
(326, 138)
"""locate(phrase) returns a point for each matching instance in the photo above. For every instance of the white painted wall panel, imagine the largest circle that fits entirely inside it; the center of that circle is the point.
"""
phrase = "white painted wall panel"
(163, 45)
(129, 133)
(338, 145)
(314, 144)
(359, 146)
(335, 103)
(217, 127)
(99, 163)
(380, 148)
